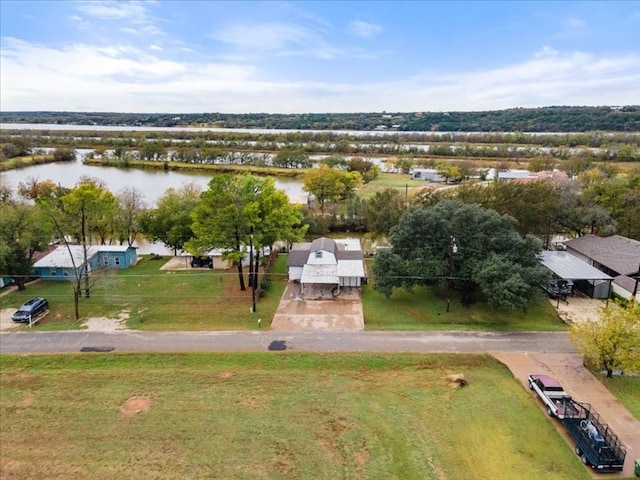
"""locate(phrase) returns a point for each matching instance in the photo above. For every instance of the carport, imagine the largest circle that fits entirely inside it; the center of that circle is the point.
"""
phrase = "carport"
(586, 278)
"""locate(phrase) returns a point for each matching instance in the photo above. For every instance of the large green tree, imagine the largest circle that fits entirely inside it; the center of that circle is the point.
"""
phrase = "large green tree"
(619, 195)
(130, 208)
(170, 222)
(23, 231)
(86, 211)
(240, 211)
(328, 184)
(383, 211)
(465, 247)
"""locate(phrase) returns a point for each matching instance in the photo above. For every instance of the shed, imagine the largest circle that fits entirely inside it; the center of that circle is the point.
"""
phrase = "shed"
(585, 277)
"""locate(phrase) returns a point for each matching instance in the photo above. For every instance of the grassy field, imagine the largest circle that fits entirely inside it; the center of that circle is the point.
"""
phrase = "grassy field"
(273, 416)
(400, 182)
(160, 300)
(425, 309)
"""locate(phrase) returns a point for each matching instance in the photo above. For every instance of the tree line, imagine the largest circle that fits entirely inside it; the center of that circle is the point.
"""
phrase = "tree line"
(544, 119)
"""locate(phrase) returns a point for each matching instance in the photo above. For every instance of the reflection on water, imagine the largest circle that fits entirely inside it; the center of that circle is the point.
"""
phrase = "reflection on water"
(152, 183)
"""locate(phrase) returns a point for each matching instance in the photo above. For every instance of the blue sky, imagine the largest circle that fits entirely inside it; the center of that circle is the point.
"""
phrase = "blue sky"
(320, 56)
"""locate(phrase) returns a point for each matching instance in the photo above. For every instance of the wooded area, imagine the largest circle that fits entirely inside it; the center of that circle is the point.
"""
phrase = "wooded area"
(546, 119)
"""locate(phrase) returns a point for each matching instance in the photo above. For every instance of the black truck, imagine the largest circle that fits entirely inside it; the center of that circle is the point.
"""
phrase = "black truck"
(596, 444)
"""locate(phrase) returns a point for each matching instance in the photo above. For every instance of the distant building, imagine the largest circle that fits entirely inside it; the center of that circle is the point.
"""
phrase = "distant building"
(429, 174)
(509, 175)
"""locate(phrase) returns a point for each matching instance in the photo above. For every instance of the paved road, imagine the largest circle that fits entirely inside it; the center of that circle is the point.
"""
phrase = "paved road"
(416, 342)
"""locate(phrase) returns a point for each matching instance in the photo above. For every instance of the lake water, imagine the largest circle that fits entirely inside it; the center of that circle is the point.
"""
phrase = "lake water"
(152, 183)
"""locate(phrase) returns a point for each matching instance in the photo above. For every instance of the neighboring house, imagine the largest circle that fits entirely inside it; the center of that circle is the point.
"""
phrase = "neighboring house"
(60, 265)
(616, 256)
(510, 175)
(327, 263)
(429, 174)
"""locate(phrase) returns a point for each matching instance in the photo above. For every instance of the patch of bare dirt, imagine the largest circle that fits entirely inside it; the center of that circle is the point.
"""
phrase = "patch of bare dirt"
(225, 375)
(578, 309)
(135, 405)
(107, 324)
(5, 319)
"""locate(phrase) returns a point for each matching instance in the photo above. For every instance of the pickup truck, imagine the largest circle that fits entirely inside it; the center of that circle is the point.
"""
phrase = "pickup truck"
(557, 401)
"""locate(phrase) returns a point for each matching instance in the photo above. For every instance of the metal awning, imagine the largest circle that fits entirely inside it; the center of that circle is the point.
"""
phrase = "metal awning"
(570, 267)
(322, 274)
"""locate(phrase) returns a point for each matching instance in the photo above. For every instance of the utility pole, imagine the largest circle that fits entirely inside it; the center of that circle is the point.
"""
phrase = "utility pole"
(252, 278)
(453, 248)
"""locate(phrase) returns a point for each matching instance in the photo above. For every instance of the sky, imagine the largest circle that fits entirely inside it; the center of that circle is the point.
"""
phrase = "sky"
(167, 56)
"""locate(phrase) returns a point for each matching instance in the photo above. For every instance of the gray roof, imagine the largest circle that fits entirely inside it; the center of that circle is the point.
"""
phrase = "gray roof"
(324, 243)
(570, 267)
(628, 283)
(60, 257)
(617, 253)
(343, 249)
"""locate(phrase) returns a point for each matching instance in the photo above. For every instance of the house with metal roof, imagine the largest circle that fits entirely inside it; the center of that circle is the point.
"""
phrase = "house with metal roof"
(67, 263)
(327, 263)
(616, 256)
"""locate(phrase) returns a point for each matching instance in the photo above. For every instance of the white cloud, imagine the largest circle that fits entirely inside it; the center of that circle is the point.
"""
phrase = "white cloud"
(284, 39)
(124, 78)
(546, 51)
(362, 29)
(115, 10)
(576, 23)
(133, 16)
(265, 36)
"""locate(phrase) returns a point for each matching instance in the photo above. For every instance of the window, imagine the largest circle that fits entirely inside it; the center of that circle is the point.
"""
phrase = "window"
(117, 260)
(319, 254)
(52, 272)
(65, 273)
(105, 260)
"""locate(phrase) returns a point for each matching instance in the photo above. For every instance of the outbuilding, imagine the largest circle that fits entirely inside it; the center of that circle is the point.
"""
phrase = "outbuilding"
(586, 278)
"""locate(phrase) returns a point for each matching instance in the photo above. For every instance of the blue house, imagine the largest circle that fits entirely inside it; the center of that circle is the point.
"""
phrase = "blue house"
(117, 256)
(60, 265)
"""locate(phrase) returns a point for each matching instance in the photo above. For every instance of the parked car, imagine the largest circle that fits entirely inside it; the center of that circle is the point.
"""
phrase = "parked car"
(30, 310)
(202, 262)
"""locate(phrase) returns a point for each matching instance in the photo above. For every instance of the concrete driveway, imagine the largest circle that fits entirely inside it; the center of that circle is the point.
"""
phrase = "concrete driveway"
(319, 310)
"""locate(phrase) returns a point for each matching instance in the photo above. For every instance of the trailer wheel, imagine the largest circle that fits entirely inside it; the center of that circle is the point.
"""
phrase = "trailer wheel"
(550, 412)
(578, 451)
(584, 459)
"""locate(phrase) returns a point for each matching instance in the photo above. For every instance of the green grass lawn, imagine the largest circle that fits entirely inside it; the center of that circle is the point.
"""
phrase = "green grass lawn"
(624, 388)
(160, 300)
(425, 309)
(273, 416)
(400, 182)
